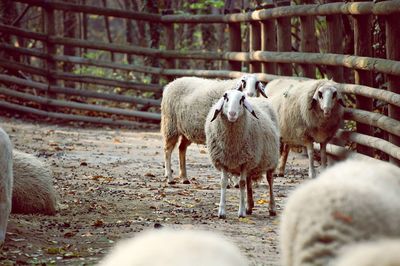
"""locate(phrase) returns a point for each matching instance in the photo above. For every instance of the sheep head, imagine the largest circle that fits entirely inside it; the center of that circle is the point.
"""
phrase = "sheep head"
(326, 96)
(231, 105)
(249, 84)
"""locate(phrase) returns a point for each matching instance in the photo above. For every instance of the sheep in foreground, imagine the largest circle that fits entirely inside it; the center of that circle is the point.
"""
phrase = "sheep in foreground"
(242, 143)
(382, 252)
(308, 111)
(33, 190)
(6, 182)
(350, 202)
(184, 107)
(175, 248)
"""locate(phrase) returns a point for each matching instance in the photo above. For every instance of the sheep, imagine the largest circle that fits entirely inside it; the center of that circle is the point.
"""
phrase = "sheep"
(33, 190)
(383, 252)
(242, 144)
(166, 247)
(308, 111)
(350, 202)
(6, 182)
(184, 108)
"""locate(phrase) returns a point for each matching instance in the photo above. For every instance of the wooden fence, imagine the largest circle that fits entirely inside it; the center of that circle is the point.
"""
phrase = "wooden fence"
(269, 55)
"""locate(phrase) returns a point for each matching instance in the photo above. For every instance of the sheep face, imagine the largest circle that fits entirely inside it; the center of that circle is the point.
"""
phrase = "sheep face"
(250, 85)
(326, 96)
(231, 105)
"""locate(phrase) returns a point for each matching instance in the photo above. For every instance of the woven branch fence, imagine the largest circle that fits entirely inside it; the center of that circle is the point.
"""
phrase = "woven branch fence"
(269, 54)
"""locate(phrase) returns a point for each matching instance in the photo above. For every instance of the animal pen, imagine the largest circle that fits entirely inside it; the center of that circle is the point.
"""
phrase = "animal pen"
(39, 69)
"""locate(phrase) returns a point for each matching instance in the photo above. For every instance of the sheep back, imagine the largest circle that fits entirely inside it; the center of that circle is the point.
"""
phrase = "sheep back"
(33, 185)
(350, 202)
(249, 143)
(185, 105)
(175, 248)
(382, 252)
(291, 100)
(6, 182)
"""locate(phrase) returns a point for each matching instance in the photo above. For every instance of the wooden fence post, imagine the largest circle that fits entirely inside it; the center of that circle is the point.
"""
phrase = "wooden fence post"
(308, 42)
(268, 42)
(335, 38)
(255, 44)
(170, 42)
(284, 38)
(363, 47)
(50, 48)
(235, 45)
(393, 53)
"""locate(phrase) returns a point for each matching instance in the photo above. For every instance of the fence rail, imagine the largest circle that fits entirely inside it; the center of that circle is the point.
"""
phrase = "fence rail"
(269, 54)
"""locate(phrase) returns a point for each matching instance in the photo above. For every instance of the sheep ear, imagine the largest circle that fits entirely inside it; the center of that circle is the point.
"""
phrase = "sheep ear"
(218, 108)
(314, 100)
(261, 88)
(247, 105)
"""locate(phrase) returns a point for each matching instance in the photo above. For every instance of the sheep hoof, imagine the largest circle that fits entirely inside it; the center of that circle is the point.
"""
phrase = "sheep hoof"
(272, 213)
(186, 181)
(279, 174)
(249, 211)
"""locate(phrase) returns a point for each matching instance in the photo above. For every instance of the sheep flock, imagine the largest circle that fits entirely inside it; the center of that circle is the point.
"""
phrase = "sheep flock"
(347, 213)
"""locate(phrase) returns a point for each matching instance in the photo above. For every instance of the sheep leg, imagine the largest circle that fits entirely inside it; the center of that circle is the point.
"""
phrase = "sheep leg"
(182, 159)
(222, 202)
(270, 179)
(169, 145)
(310, 153)
(250, 201)
(323, 155)
(285, 148)
(242, 203)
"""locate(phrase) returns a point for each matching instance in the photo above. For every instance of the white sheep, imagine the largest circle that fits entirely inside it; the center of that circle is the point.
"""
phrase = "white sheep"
(33, 190)
(184, 107)
(6, 182)
(352, 201)
(308, 111)
(242, 143)
(385, 252)
(175, 248)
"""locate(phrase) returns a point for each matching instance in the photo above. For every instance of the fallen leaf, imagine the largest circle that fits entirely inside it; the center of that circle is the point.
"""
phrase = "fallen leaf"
(262, 201)
(149, 175)
(69, 234)
(98, 223)
(116, 141)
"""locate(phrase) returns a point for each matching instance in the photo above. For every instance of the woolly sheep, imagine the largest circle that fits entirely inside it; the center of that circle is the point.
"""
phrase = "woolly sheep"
(175, 248)
(242, 143)
(184, 107)
(382, 252)
(6, 182)
(33, 190)
(352, 201)
(308, 111)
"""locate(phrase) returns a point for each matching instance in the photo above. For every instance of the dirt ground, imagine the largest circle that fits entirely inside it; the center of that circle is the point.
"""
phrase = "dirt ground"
(110, 185)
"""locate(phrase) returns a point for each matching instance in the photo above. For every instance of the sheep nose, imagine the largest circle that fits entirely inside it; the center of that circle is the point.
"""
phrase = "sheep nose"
(232, 113)
(250, 94)
(327, 113)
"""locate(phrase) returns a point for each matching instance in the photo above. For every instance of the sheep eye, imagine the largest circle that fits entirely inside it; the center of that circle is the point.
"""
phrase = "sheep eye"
(320, 95)
(241, 100)
(226, 97)
(334, 94)
(244, 83)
